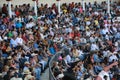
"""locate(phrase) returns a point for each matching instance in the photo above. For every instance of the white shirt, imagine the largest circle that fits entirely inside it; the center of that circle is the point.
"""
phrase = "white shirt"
(68, 58)
(88, 23)
(70, 30)
(25, 68)
(19, 41)
(102, 74)
(105, 53)
(42, 36)
(112, 57)
(92, 39)
(88, 33)
(83, 40)
(30, 25)
(94, 47)
(114, 29)
(80, 52)
(105, 31)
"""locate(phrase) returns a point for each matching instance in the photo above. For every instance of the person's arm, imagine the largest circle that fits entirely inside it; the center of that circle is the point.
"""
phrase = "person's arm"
(98, 78)
(107, 68)
(92, 74)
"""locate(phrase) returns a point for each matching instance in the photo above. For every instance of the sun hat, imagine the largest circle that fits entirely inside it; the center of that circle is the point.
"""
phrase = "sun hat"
(33, 54)
(9, 57)
(28, 77)
(14, 78)
(27, 62)
(27, 72)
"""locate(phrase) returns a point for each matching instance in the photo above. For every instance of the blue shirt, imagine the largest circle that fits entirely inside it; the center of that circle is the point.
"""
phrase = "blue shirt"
(18, 25)
(96, 58)
(52, 50)
(37, 71)
(36, 45)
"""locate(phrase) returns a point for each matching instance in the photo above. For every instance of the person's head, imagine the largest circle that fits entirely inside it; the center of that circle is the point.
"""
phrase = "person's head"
(105, 77)
(14, 56)
(30, 77)
(5, 68)
(27, 64)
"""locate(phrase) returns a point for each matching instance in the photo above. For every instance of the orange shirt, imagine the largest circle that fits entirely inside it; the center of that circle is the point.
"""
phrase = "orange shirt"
(17, 13)
(71, 35)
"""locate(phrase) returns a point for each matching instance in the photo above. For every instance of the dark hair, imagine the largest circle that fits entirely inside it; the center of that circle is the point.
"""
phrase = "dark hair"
(105, 77)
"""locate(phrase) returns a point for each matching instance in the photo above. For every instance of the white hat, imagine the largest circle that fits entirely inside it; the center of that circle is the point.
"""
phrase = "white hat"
(27, 62)
(115, 52)
(26, 72)
(60, 76)
(33, 54)
(29, 77)
(64, 26)
(16, 78)
(89, 78)
(5, 38)
(77, 59)
(9, 57)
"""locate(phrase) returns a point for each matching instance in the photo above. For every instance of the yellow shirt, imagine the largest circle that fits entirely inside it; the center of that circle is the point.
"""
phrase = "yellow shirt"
(96, 22)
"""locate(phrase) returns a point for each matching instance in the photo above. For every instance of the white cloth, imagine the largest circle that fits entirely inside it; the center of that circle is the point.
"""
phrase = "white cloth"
(88, 33)
(112, 57)
(102, 74)
(19, 41)
(68, 58)
(30, 25)
(14, 78)
(80, 52)
(94, 47)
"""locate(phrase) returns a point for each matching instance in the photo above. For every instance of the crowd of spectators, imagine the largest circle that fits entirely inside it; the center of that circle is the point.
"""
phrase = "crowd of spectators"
(27, 42)
(93, 41)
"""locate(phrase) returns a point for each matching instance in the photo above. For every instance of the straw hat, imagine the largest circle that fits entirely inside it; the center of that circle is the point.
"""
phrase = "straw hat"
(29, 77)
(8, 49)
(33, 54)
(27, 72)
(89, 78)
(27, 62)
(16, 78)
(9, 57)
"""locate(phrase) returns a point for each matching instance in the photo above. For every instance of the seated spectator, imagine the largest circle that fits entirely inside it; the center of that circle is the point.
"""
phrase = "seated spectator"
(18, 24)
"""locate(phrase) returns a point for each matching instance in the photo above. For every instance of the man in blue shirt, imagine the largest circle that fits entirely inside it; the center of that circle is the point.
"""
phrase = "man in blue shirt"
(18, 24)
(37, 71)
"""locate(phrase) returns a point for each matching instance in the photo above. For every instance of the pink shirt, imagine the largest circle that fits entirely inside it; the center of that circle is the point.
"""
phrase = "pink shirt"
(81, 10)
